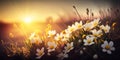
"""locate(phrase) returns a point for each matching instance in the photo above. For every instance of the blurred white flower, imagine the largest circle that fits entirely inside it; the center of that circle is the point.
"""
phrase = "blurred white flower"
(105, 28)
(61, 56)
(58, 37)
(95, 56)
(89, 40)
(51, 33)
(62, 36)
(71, 28)
(78, 25)
(51, 46)
(87, 26)
(81, 52)
(66, 37)
(96, 33)
(35, 38)
(32, 35)
(95, 22)
(40, 53)
(64, 32)
(68, 47)
(79, 40)
(108, 47)
(91, 25)
(84, 48)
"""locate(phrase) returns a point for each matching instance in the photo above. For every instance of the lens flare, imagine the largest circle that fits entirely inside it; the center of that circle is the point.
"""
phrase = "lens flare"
(28, 20)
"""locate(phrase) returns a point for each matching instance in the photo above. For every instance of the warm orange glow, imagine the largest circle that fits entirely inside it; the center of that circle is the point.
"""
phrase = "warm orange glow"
(28, 20)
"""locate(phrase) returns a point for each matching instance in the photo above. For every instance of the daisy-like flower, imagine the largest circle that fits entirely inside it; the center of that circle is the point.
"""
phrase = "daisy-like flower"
(65, 37)
(95, 22)
(35, 39)
(89, 40)
(87, 26)
(96, 33)
(90, 25)
(108, 47)
(58, 37)
(40, 53)
(68, 47)
(71, 28)
(61, 56)
(105, 28)
(78, 25)
(51, 33)
(51, 46)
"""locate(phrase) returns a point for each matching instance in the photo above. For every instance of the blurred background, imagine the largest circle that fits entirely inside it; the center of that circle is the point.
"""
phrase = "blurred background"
(20, 18)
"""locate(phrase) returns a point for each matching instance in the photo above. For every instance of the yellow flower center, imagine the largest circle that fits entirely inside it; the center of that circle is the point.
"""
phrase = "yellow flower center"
(87, 28)
(97, 35)
(83, 36)
(95, 23)
(89, 41)
(72, 29)
(69, 47)
(79, 26)
(107, 47)
(59, 38)
(40, 53)
(51, 47)
(105, 30)
(63, 32)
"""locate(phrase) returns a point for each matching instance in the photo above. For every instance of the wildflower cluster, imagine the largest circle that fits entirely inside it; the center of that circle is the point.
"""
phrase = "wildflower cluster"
(78, 37)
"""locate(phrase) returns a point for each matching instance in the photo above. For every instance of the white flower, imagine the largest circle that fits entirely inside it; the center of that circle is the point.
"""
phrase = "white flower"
(40, 53)
(78, 25)
(91, 25)
(61, 56)
(89, 40)
(108, 47)
(35, 38)
(58, 37)
(95, 56)
(81, 52)
(95, 22)
(96, 33)
(66, 37)
(62, 36)
(79, 40)
(87, 26)
(105, 28)
(51, 46)
(71, 28)
(84, 48)
(68, 47)
(51, 33)
(64, 32)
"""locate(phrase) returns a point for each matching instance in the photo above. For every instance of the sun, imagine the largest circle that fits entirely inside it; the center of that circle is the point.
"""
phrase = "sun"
(28, 20)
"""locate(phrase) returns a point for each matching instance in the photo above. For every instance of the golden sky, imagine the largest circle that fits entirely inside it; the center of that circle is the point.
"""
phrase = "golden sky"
(39, 10)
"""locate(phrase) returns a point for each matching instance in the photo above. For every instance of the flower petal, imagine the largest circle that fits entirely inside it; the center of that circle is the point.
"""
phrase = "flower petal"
(111, 43)
(109, 52)
(112, 48)
(38, 57)
(37, 50)
(66, 55)
(84, 40)
(104, 50)
(103, 45)
(106, 43)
